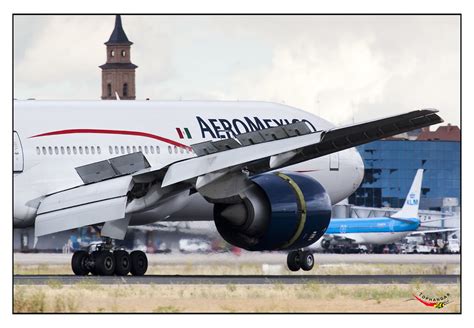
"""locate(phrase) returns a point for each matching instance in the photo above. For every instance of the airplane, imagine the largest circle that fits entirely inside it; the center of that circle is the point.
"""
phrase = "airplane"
(267, 174)
(380, 230)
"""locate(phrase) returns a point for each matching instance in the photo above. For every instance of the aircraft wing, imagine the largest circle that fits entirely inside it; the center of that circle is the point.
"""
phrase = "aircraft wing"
(424, 232)
(273, 148)
(226, 162)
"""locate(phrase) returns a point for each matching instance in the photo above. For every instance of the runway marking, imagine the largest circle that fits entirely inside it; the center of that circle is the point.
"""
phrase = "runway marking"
(236, 279)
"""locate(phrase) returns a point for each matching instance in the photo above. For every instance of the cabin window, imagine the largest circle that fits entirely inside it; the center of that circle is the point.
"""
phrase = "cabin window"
(80, 150)
(152, 149)
(74, 150)
(128, 150)
(111, 150)
(116, 149)
(98, 150)
(140, 149)
(146, 149)
(170, 150)
(122, 149)
(92, 150)
(181, 150)
(157, 149)
(86, 149)
(134, 149)
(50, 150)
(62, 150)
(68, 149)
(44, 150)
(38, 151)
(175, 149)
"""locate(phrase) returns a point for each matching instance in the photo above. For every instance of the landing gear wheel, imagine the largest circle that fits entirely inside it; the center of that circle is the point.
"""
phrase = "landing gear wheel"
(293, 260)
(104, 263)
(306, 260)
(122, 263)
(92, 258)
(139, 263)
(78, 263)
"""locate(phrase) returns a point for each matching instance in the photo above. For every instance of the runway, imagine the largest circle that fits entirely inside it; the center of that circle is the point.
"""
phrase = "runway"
(236, 279)
(253, 258)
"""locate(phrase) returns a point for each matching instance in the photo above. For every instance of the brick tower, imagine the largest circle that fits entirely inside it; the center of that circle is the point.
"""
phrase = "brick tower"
(118, 73)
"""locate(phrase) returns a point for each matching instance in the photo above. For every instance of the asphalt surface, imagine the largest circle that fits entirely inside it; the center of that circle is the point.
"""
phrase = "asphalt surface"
(253, 258)
(236, 279)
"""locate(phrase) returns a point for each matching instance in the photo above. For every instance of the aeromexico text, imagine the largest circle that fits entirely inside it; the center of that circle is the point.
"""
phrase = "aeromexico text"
(224, 128)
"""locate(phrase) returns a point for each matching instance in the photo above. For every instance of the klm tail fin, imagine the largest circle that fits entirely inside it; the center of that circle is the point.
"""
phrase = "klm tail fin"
(412, 202)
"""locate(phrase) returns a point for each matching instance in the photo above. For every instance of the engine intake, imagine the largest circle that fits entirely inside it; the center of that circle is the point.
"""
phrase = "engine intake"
(280, 211)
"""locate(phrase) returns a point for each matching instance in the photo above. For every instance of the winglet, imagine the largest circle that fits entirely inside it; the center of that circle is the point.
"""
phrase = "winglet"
(412, 202)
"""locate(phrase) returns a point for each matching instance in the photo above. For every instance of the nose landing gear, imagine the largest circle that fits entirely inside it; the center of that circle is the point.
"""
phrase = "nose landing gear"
(300, 259)
(104, 260)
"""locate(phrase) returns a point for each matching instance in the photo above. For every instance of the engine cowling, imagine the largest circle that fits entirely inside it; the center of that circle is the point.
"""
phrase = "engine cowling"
(279, 211)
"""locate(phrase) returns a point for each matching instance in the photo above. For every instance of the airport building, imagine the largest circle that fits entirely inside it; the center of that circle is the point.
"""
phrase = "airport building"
(391, 164)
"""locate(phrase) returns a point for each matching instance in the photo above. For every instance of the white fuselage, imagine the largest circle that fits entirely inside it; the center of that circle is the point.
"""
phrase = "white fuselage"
(55, 137)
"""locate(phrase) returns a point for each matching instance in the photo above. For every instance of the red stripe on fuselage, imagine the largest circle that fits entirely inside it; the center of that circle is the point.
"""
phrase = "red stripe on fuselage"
(119, 132)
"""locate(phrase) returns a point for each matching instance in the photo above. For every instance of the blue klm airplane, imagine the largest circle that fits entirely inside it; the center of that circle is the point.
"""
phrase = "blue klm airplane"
(381, 230)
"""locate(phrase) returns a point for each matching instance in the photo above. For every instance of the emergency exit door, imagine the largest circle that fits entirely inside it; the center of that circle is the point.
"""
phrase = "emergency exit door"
(17, 153)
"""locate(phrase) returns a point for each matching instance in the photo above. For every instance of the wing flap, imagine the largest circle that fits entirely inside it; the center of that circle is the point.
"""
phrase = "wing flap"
(81, 206)
(79, 216)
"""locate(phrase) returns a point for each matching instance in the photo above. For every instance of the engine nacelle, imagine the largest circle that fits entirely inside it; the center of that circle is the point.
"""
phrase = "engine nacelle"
(280, 211)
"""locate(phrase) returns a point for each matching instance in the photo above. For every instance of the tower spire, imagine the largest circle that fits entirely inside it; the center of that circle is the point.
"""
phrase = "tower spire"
(118, 35)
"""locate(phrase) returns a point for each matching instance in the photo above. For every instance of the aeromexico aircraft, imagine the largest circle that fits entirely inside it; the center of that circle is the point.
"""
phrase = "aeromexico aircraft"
(380, 230)
(267, 174)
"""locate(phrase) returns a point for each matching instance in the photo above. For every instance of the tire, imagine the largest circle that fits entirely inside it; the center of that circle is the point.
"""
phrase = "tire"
(293, 261)
(78, 263)
(122, 263)
(105, 263)
(306, 260)
(139, 263)
(92, 257)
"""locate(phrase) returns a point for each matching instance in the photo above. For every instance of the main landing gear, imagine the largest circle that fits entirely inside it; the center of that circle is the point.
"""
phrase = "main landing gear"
(103, 260)
(300, 260)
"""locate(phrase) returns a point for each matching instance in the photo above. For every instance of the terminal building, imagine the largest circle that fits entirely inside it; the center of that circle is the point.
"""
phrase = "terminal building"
(391, 164)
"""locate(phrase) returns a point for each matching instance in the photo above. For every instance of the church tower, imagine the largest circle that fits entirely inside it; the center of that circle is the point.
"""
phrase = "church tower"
(118, 73)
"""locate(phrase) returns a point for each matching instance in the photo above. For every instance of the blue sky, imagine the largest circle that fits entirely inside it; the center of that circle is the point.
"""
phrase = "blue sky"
(343, 68)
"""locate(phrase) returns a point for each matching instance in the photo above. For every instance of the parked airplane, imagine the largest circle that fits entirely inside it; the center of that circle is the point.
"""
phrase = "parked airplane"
(380, 230)
(258, 169)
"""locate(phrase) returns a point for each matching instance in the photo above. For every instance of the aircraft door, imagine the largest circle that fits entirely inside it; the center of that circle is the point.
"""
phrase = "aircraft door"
(17, 153)
(334, 162)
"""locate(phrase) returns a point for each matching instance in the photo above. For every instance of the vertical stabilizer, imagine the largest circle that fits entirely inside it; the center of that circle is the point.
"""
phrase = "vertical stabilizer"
(412, 202)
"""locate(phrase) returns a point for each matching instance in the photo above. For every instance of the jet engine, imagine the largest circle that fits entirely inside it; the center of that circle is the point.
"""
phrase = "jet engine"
(279, 211)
